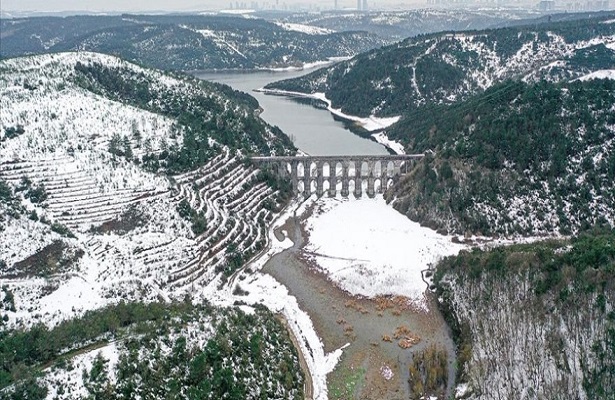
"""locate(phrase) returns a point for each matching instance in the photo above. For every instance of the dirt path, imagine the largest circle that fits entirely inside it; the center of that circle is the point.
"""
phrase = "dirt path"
(309, 384)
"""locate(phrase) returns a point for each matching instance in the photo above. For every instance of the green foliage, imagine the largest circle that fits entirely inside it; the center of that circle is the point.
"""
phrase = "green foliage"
(27, 390)
(511, 141)
(586, 268)
(37, 194)
(12, 132)
(120, 146)
(62, 230)
(199, 116)
(445, 71)
(6, 193)
(574, 279)
(197, 218)
(23, 352)
(8, 301)
(249, 357)
(281, 185)
(172, 42)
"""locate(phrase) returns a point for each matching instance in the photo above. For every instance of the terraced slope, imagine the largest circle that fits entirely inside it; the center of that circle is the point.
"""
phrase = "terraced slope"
(105, 201)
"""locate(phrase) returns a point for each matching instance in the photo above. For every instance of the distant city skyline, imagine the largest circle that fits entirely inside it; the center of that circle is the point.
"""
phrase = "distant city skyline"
(194, 5)
(144, 6)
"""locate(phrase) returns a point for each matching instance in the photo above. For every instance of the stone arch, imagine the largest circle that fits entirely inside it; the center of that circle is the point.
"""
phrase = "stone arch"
(314, 168)
(338, 168)
(351, 186)
(377, 168)
(326, 169)
(364, 172)
(378, 184)
(390, 169)
(352, 169)
(313, 185)
(389, 183)
(300, 187)
(300, 170)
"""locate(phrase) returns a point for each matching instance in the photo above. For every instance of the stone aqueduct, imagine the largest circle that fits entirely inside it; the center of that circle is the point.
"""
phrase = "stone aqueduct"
(304, 172)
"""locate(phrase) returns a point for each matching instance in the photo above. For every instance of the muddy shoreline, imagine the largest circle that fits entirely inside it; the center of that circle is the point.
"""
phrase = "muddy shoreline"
(368, 326)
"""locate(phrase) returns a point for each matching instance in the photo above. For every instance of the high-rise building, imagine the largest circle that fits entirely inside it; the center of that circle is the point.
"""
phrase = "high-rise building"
(364, 5)
(335, 5)
(358, 4)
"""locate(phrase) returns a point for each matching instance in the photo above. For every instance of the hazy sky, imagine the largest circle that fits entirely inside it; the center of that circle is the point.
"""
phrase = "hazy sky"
(178, 5)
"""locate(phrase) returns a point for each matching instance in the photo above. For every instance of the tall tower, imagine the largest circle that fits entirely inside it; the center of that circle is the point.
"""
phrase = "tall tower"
(364, 5)
(358, 4)
(335, 6)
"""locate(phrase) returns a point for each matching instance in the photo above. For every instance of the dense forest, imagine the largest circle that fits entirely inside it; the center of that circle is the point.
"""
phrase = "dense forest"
(246, 356)
(534, 320)
(448, 67)
(180, 42)
(518, 159)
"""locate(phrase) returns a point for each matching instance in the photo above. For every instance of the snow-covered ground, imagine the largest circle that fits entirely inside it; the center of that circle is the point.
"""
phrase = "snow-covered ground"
(71, 380)
(369, 249)
(602, 74)
(308, 29)
(384, 140)
(65, 147)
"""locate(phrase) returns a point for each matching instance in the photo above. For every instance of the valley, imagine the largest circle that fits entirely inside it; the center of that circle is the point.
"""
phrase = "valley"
(148, 251)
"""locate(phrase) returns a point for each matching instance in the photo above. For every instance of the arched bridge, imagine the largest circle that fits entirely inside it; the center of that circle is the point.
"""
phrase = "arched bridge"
(317, 174)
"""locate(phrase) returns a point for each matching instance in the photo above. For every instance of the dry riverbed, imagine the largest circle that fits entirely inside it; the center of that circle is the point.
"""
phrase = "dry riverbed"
(381, 333)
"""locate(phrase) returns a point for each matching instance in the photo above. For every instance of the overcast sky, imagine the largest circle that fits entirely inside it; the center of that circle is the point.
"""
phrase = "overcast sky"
(180, 5)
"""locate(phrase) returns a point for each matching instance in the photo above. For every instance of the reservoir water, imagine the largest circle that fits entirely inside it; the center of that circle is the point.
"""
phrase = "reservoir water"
(311, 129)
(338, 317)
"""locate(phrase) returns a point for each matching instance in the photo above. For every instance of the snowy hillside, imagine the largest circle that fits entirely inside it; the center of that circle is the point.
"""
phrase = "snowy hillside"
(445, 68)
(183, 42)
(399, 25)
(529, 159)
(87, 220)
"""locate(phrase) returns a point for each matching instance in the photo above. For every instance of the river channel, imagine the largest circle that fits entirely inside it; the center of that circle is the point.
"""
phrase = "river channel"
(338, 317)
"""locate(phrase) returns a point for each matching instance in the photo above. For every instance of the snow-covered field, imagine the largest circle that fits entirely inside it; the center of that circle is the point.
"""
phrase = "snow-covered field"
(602, 74)
(369, 249)
(308, 29)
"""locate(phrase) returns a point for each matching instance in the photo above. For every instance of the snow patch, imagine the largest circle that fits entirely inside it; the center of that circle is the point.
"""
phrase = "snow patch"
(369, 249)
(601, 74)
(308, 29)
(384, 140)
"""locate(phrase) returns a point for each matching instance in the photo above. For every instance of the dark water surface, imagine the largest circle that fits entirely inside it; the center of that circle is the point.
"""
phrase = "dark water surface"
(313, 130)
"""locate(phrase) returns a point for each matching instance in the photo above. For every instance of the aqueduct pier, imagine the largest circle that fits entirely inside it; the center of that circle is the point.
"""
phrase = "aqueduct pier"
(310, 174)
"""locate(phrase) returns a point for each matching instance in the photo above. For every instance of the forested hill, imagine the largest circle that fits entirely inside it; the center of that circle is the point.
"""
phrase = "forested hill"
(182, 42)
(517, 159)
(448, 67)
(399, 25)
(534, 320)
